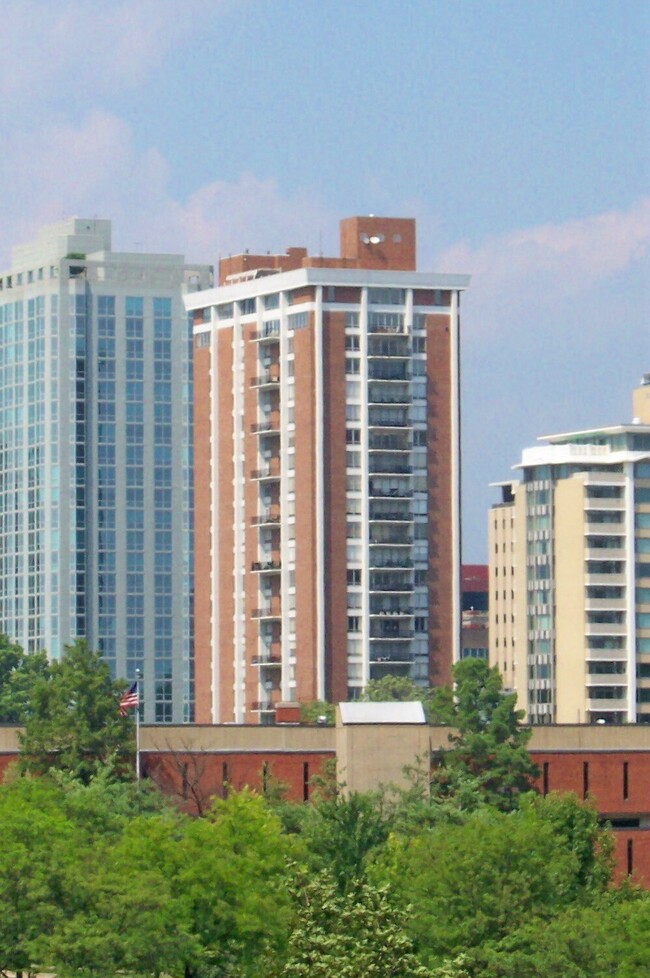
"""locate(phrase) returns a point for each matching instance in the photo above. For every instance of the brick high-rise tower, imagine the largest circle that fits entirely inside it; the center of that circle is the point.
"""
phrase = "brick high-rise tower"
(327, 473)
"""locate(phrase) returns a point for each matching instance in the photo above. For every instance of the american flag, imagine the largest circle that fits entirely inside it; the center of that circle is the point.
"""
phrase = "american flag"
(130, 698)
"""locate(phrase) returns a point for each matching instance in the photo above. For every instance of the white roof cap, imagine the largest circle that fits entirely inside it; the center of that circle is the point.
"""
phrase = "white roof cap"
(391, 712)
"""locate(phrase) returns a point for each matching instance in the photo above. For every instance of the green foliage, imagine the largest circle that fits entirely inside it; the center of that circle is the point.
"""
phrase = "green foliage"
(608, 940)
(391, 688)
(359, 933)
(318, 713)
(472, 884)
(38, 851)
(228, 873)
(487, 760)
(19, 672)
(105, 879)
(338, 835)
(73, 722)
(576, 827)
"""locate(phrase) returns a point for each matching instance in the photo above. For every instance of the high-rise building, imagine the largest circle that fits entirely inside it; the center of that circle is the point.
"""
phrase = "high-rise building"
(569, 581)
(96, 456)
(327, 473)
(474, 611)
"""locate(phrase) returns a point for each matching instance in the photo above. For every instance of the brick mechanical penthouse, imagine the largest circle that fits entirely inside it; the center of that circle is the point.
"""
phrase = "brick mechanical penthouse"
(327, 473)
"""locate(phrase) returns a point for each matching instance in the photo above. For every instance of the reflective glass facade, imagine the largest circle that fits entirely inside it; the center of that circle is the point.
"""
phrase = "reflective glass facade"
(95, 458)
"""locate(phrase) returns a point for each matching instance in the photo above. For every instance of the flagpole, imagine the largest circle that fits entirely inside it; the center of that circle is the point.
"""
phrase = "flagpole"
(137, 730)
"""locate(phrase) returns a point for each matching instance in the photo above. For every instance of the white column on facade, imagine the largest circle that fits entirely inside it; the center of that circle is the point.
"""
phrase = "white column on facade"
(454, 333)
(630, 591)
(365, 490)
(215, 523)
(239, 578)
(320, 496)
(284, 502)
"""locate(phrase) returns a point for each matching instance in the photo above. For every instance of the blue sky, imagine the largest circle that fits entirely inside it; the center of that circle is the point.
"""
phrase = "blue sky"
(516, 133)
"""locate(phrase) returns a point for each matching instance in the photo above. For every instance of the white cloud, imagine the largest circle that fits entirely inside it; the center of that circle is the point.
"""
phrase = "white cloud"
(95, 169)
(554, 336)
(55, 50)
(567, 258)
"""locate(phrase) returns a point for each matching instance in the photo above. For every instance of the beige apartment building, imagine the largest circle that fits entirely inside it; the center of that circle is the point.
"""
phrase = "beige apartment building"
(326, 473)
(569, 577)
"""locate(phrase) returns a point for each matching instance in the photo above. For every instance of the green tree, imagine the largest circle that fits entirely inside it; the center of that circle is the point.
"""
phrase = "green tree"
(577, 829)
(487, 760)
(358, 933)
(473, 883)
(39, 848)
(390, 688)
(18, 673)
(318, 713)
(229, 872)
(610, 939)
(339, 833)
(124, 922)
(74, 723)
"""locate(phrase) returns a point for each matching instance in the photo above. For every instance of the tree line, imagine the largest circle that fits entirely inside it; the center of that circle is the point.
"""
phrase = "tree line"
(463, 873)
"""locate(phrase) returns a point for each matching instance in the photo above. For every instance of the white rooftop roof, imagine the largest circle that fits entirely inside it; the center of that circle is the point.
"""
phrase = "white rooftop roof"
(391, 712)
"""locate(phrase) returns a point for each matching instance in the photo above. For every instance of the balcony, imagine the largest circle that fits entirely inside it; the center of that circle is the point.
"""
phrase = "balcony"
(383, 466)
(386, 443)
(598, 527)
(266, 519)
(269, 332)
(381, 537)
(603, 706)
(396, 493)
(395, 397)
(384, 369)
(270, 471)
(601, 552)
(396, 348)
(270, 426)
(263, 706)
(268, 612)
(606, 655)
(405, 659)
(605, 578)
(266, 660)
(605, 628)
(604, 503)
(474, 620)
(390, 516)
(266, 566)
(605, 604)
(269, 379)
(614, 679)
(390, 563)
(393, 587)
(378, 418)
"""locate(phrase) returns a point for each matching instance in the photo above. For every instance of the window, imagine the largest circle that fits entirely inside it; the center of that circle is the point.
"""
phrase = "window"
(386, 297)
(354, 575)
(298, 320)
(385, 322)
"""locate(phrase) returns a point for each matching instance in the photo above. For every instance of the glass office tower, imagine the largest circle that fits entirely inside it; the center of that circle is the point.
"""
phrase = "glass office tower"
(96, 494)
